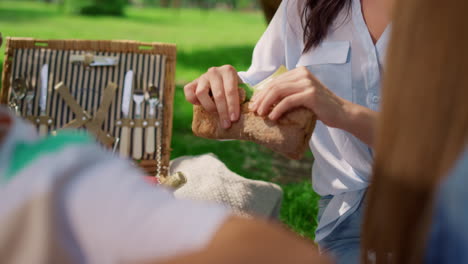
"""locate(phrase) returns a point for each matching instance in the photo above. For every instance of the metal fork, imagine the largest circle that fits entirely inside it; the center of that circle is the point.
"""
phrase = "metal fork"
(138, 98)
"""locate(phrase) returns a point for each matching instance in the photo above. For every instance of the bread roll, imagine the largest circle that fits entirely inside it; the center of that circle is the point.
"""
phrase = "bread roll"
(288, 136)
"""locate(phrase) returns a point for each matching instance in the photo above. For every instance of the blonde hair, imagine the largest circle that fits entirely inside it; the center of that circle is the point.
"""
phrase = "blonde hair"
(423, 126)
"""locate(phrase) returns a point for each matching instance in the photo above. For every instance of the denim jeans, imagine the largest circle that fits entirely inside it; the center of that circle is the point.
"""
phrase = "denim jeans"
(448, 239)
(343, 244)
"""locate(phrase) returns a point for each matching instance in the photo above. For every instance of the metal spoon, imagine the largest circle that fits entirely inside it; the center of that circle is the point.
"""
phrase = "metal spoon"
(19, 88)
(153, 99)
(19, 91)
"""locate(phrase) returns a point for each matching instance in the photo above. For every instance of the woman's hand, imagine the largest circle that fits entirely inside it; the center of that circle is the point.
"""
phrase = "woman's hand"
(300, 88)
(217, 91)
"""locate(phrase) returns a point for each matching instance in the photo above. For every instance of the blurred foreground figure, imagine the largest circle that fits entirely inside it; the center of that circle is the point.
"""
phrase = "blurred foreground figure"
(422, 140)
(65, 200)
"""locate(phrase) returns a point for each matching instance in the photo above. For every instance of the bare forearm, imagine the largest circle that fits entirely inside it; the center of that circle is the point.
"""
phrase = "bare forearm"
(361, 122)
(253, 241)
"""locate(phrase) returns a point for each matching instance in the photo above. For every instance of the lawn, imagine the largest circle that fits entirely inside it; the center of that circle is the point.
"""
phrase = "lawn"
(204, 39)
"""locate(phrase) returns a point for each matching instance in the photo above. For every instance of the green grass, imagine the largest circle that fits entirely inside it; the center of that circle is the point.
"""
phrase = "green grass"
(204, 39)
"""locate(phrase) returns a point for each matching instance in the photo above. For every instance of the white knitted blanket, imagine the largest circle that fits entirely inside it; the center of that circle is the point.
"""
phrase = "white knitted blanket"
(208, 179)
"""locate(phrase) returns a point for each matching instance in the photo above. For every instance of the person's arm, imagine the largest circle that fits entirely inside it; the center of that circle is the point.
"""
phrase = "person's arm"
(250, 242)
(361, 122)
(300, 88)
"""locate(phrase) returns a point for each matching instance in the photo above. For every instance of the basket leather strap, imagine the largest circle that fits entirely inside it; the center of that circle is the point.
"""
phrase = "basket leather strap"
(83, 118)
(96, 123)
(108, 96)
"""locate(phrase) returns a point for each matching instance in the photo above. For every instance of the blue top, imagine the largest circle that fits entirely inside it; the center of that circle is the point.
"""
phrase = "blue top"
(448, 241)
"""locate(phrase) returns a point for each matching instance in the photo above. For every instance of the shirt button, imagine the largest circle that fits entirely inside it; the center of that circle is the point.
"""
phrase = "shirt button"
(376, 99)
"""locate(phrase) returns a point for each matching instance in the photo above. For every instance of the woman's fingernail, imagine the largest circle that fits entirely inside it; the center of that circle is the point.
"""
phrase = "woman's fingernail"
(226, 124)
(252, 106)
(233, 117)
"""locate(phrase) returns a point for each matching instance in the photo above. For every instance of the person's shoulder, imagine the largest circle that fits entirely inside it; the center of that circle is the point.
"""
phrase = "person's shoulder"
(293, 11)
(294, 8)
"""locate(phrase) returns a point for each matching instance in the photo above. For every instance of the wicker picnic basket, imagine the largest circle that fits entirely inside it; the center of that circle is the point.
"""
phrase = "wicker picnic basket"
(86, 83)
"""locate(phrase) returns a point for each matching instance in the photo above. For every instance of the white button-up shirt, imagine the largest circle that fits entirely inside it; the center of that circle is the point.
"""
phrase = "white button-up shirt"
(349, 64)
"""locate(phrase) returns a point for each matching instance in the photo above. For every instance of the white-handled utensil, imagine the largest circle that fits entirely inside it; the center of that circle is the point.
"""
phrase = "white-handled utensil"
(153, 102)
(126, 100)
(43, 128)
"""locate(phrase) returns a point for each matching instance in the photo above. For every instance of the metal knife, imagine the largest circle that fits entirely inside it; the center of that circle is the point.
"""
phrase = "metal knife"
(43, 99)
(126, 100)
(99, 61)
(95, 60)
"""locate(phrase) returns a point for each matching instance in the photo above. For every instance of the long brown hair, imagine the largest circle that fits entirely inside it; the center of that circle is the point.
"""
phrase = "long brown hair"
(317, 17)
(423, 126)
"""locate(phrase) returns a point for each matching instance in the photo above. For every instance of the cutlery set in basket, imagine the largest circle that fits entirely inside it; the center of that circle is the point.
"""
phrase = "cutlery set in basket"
(120, 91)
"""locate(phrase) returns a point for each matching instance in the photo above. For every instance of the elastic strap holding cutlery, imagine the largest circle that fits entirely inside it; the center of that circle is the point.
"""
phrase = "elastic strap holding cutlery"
(40, 120)
(126, 122)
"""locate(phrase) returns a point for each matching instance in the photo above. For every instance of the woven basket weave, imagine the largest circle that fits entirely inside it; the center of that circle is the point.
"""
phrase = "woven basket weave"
(153, 63)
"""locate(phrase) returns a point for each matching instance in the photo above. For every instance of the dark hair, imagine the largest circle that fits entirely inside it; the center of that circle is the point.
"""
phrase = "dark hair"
(317, 17)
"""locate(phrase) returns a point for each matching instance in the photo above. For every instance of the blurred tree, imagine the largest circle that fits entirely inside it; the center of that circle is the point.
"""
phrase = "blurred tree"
(233, 3)
(165, 3)
(116, 7)
(149, 2)
(104, 7)
(177, 3)
(73, 6)
(269, 8)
